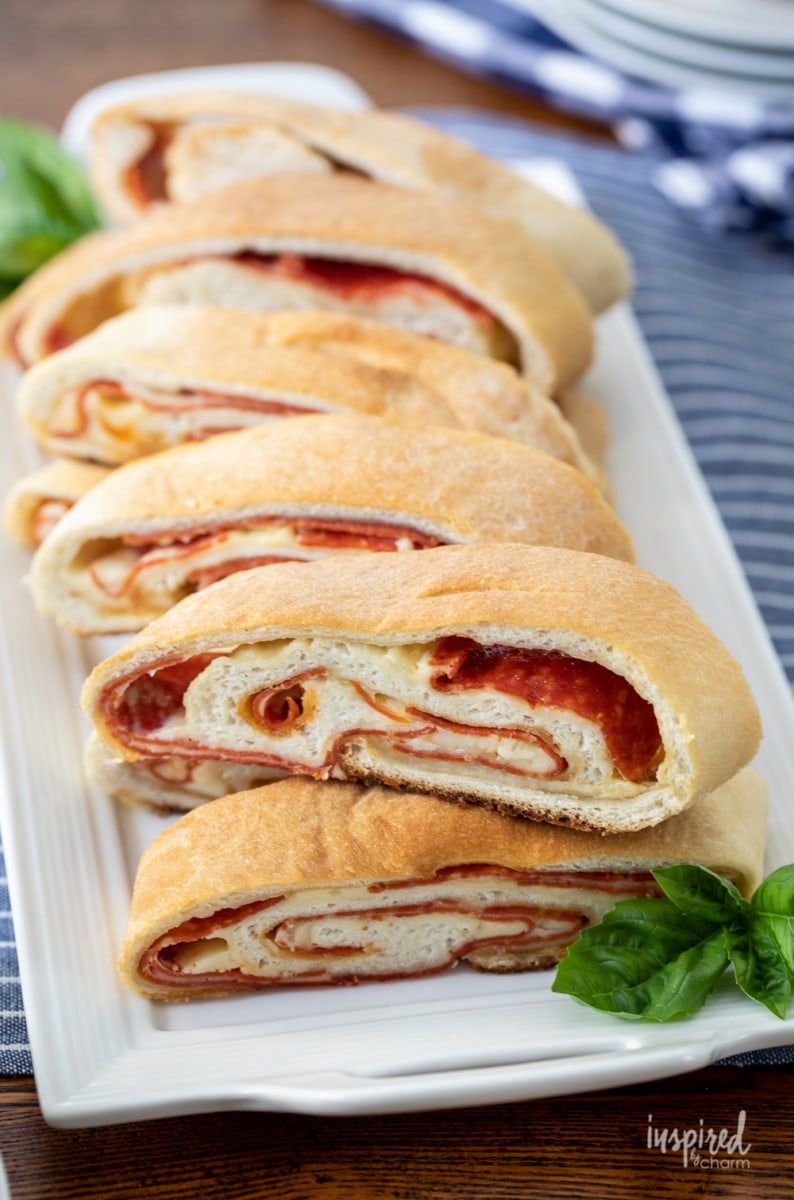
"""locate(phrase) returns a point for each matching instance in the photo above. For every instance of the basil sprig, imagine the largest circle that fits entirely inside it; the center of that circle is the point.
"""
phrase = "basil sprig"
(45, 201)
(657, 960)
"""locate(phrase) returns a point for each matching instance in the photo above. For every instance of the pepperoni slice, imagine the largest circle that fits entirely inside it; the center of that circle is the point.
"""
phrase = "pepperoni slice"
(159, 962)
(361, 535)
(151, 700)
(551, 679)
(278, 709)
(204, 576)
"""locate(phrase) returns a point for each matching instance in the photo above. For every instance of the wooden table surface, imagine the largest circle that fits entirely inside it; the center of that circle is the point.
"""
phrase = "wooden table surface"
(51, 51)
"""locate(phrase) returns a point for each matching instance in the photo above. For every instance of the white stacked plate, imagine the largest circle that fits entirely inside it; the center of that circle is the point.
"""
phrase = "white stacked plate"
(737, 46)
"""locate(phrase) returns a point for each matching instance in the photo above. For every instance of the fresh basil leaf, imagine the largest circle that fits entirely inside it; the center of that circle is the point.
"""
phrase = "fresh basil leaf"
(644, 961)
(760, 969)
(25, 191)
(32, 160)
(641, 922)
(23, 249)
(775, 900)
(781, 929)
(659, 959)
(683, 986)
(776, 893)
(45, 201)
(698, 891)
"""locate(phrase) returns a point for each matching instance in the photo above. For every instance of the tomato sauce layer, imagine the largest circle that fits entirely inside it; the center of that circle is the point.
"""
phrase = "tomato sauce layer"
(551, 679)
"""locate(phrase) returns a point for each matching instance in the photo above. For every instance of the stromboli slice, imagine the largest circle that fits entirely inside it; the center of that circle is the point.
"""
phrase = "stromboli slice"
(38, 501)
(416, 260)
(162, 527)
(181, 147)
(308, 883)
(559, 685)
(158, 376)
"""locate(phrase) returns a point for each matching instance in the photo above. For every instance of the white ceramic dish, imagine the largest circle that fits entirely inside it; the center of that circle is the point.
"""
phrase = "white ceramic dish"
(701, 53)
(103, 1055)
(578, 24)
(765, 23)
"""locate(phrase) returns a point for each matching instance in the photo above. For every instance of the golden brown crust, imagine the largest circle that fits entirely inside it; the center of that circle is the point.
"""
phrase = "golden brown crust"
(299, 833)
(582, 604)
(464, 486)
(326, 358)
(393, 148)
(337, 216)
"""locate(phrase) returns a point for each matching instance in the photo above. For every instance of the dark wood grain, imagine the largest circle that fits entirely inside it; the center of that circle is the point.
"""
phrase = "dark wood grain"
(51, 51)
(557, 1149)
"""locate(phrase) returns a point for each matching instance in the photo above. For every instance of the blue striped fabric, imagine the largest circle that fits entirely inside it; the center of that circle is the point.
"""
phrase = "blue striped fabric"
(723, 156)
(718, 315)
(14, 1049)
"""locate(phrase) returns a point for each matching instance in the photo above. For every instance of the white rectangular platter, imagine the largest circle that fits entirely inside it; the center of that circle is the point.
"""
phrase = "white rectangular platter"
(103, 1055)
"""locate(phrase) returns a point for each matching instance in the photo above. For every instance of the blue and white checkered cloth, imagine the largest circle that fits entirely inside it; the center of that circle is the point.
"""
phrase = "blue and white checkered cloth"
(727, 159)
(718, 315)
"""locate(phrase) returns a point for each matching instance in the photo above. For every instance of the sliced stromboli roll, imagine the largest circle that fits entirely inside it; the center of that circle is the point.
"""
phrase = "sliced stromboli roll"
(167, 525)
(38, 501)
(308, 883)
(417, 260)
(558, 685)
(156, 377)
(181, 147)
